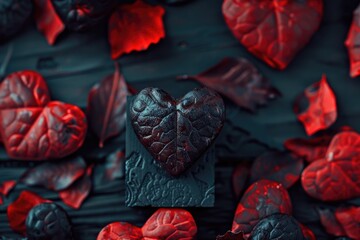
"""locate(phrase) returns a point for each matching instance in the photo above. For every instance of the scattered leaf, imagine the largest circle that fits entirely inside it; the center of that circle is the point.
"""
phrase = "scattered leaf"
(239, 177)
(75, 195)
(261, 199)
(229, 235)
(337, 176)
(281, 167)
(47, 20)
(321, 112)
(107, 107)
(57, 175)
(240, 81)
(120, 230)
(115, 165)
(19, 209)
(353, 42)
(133, 27)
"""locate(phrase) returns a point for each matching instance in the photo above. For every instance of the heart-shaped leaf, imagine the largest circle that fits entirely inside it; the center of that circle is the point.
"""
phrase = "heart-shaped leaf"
(352, 43)
(337, 176)
(19, 209)
(261, 199)
(177, 132)
(272, 30)
(35, 133)
(47, 20)
(281, 167)
(321, 112)
(120, 230)
(240, 81)
(55, 175)
(107, 107)
(134, 27)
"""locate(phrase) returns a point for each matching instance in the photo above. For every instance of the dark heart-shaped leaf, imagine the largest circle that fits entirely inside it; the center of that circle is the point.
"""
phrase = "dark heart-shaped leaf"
(277, 226)
(274, 31)
(337, 176)
(134, 27)
(5, 188)
(47, 20)
(240, 81)
(239, 178)
(55, 175)
(120, 230)
(308, 234)
(35, 133)
(261, 199)
(19, 209)
(342, 222)
(281, 167)
(107, 107)
(353, 42)
(177, 132)
(321, 112)
(229, 235)
(170, 224)
(76, 194)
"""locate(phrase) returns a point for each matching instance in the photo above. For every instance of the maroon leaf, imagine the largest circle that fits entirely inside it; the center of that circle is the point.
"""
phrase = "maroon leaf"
(5, 188)
(308, 234)
(120, 230)
(55, 175)
(281, 167)
(274, 31)
(239, 178)
(75, 195)
(321, 112)
(240, 81)
(107, 107)
(337, 176)
(47, 20)
(261, 199)
(353, 42)
(231, 236)
(19, 209)
(114, 165)
(36, 133)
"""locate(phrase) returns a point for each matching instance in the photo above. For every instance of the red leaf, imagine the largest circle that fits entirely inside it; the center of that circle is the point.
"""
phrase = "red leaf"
(114, 165)
(240, 81)
(19, 209)
(54, 131)
(352, 43)
(6, 187)
(75, 195)
(274, 31)
(308, 234)
(281, 167)
(337, 176)
(239, 178)
(55, 175)
(120, 230)
(133, 27)
(231, 236)
(322, 110)
(261, 199)
(47, 20)
(170, 224)
(107, 106)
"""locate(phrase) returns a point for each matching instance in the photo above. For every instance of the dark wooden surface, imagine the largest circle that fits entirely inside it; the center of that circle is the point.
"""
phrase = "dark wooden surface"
(197, 38)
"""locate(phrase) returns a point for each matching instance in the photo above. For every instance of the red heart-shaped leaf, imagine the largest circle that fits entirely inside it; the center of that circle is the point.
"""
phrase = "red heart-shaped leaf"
(47, 20)
(35, 133)
(337, 176)
(55, 175)
(240, 81)
(107, 106)
(281, 167)
(120, 230)
(19, 209)
(76, 194)
(261, 199)
(134, 27)
(273, 30)
(321, 112)
(352, 43)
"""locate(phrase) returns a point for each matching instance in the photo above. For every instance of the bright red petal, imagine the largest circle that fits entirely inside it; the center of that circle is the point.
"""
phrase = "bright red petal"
(47, 20)
(133, 27)
(352, 43)
(322, 110)
(19, 209)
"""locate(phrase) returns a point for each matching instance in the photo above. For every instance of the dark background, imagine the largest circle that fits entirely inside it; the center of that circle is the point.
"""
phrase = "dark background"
(196, 38)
